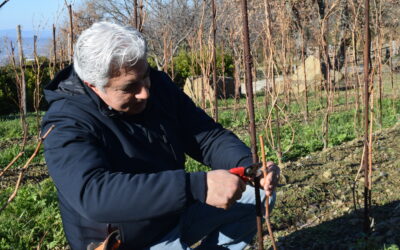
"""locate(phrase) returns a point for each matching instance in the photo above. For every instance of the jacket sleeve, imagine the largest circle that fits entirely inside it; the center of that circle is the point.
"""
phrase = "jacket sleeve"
(206, 140)
(81, 171)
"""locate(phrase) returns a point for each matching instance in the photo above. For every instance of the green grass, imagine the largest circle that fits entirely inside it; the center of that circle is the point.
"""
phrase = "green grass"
(11, 126)
(11, 140)
(11, 150)
(32, 219)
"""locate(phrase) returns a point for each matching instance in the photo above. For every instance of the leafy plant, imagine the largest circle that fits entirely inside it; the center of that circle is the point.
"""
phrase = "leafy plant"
(32, 219)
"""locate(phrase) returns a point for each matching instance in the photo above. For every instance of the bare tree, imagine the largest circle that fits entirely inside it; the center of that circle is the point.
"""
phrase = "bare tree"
(179, 18)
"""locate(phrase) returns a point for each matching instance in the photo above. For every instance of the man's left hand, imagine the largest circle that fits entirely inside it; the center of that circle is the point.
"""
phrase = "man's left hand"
(270, 182)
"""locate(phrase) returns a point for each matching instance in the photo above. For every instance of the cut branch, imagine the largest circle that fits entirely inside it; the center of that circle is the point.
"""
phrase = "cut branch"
(264, 169)
(11, 163)
(23, 169)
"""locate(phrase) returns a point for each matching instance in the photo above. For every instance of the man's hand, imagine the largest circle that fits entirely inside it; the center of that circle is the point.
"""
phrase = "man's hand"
(271, 181)
(223, 188)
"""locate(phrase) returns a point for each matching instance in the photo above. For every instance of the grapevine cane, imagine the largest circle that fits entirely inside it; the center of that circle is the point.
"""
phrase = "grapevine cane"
(264, 169)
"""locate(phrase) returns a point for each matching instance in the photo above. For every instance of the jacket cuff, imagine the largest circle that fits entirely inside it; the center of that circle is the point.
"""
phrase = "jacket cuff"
(196, 186)
(245, 161)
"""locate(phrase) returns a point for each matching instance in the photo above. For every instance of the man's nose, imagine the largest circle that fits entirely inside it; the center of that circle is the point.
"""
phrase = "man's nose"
(143, 93)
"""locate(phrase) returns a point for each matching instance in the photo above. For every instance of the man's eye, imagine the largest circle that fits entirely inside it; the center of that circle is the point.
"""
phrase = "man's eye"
(129, 88)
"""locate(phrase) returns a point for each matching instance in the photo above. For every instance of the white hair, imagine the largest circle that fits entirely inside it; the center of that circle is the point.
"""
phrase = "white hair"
(104, 49)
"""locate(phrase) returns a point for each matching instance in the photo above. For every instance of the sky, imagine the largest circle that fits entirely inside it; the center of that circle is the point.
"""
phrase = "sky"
(36, 15)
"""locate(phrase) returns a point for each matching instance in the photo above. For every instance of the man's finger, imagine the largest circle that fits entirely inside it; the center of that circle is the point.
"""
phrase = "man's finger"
(268, 180)
(242, 186)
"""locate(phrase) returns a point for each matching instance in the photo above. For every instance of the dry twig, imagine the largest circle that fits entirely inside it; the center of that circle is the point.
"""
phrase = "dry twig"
(4, 2)
(21, 174)
(355, 180)
(264, 169)
(11, 163)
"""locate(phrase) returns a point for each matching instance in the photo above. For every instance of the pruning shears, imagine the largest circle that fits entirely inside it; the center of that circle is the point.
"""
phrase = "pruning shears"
(247, 173)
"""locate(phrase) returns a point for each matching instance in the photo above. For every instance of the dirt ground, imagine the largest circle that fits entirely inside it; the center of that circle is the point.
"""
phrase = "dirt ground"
(316, 208)
(35, 174)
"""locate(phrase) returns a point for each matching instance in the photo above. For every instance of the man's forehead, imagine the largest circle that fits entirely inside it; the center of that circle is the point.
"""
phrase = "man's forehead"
(140, 68)
(129, 76)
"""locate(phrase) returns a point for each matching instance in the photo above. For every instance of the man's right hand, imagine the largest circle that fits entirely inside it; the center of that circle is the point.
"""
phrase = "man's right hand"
(223, 188)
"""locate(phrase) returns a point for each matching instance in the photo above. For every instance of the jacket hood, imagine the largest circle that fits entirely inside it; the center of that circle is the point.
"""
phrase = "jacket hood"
(65, 85)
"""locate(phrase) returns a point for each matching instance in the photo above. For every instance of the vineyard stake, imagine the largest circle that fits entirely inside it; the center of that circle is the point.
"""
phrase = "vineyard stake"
(367, 46)
(252, 126)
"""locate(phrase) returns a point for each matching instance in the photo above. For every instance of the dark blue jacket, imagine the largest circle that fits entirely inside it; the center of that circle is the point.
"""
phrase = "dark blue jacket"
(128, 171)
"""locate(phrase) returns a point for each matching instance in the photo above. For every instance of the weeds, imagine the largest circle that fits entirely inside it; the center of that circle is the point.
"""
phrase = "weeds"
(31, 218)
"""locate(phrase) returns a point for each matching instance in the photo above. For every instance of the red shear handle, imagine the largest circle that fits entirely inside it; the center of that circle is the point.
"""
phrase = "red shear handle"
(241, 172)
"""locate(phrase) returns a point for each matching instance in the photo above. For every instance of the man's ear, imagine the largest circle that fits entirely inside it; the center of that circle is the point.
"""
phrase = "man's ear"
(91, 86)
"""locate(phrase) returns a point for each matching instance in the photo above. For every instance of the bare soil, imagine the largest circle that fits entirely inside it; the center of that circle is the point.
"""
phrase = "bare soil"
(34, 174)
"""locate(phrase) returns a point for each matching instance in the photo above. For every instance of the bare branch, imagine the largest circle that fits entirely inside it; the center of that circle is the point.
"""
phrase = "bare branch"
(23, 169)
(3, 3)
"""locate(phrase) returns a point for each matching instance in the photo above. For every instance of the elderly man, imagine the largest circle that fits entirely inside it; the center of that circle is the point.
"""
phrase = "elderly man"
(117, 154)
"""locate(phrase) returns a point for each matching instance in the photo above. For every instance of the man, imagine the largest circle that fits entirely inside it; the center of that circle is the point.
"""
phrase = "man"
(117, 154)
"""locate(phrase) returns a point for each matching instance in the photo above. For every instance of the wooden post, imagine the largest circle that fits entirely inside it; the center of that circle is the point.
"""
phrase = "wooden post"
(71, 35)
(367, 48)
(252, 125)
(22, 104)
(38, 73)
(214, 59)
(21, 66)
(54, 64)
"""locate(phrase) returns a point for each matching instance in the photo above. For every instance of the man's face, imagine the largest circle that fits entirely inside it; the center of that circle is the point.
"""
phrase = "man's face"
(128, 92)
